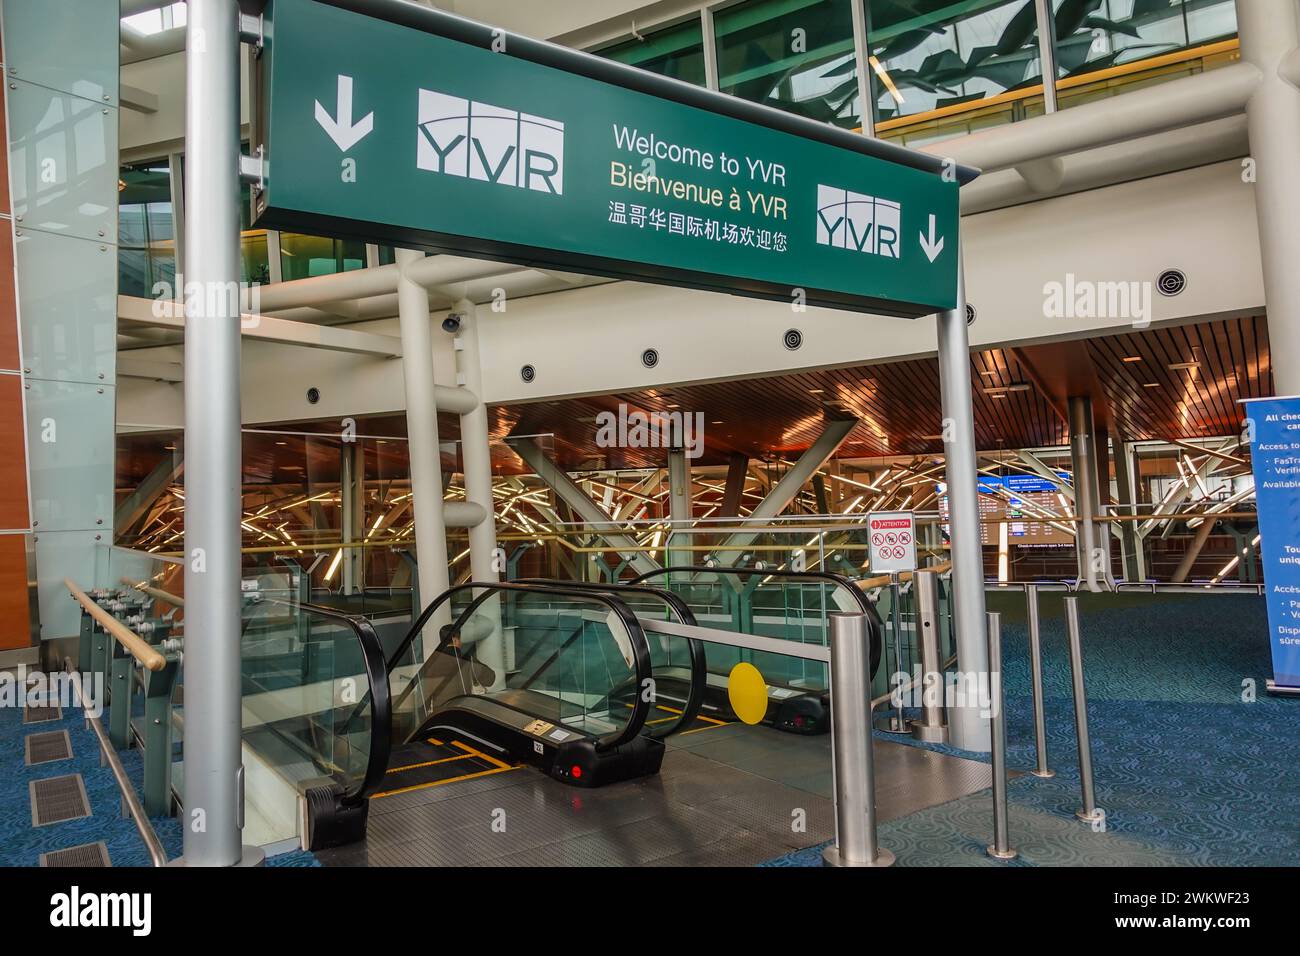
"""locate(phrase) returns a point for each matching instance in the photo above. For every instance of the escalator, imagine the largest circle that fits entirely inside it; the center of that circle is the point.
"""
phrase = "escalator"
(560, 677)
(790, 605)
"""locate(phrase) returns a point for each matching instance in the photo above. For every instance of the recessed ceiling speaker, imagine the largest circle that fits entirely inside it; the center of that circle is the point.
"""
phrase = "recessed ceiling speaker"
(313, 395)
(528, 373)
(1171, 282)
(792, 339)
(971, 314)
(650, 358)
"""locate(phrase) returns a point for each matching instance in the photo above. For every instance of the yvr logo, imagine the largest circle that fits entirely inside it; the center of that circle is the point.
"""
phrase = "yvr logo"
(849, 220)
(459, 137)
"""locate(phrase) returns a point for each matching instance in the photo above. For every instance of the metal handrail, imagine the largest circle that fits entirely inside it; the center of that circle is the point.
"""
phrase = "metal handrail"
(880, 580)
(133, 806)
(140, 649)
(157, 593)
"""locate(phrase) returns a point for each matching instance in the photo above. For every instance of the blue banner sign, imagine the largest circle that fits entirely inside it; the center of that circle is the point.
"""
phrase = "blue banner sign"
(1021, 484)
(1273, 426)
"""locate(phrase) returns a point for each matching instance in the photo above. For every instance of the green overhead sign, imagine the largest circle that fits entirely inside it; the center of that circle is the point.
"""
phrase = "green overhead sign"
(405, 125)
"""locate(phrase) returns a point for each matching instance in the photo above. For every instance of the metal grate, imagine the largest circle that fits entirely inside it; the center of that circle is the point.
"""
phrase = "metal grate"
(88, 854)
(40, 713)
(56, 799)
(48, 747)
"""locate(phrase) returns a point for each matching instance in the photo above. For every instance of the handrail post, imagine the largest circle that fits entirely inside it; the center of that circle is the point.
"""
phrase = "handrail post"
(851, 753)
(1036, 683)
(158, 739)
(897, 723)
(1089, 812)
(932, 727)
(1000, 848)
(121, 686)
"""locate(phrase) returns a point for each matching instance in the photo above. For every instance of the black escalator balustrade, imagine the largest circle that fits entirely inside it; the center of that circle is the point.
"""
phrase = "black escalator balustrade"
(549, 712)
(798, 702)
(678, 667)
(567, 707)
(347, 740)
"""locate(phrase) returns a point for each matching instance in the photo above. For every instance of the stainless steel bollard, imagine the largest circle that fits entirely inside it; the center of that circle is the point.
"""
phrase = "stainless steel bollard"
(1001, 846)
(932, 727)
(853, 765)
(896, 723)
(1089, 812)
(1036, 683)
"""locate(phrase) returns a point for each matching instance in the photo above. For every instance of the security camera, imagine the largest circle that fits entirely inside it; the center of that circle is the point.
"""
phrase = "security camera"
(451, 323)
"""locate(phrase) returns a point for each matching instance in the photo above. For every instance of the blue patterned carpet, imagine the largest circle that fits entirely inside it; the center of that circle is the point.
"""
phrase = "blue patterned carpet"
(21, 844)
(1190, 770)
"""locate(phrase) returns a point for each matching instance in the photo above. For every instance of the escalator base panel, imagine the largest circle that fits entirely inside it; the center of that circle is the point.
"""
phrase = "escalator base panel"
(580, 764)
(331, 821)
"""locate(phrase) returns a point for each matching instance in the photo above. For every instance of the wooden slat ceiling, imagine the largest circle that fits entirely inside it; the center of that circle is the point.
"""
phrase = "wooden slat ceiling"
(1019, 394)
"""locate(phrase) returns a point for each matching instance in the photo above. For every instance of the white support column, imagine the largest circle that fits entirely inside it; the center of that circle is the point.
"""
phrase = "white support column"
(477, 459)
(422, 437)
(214, 778)
(969, 730)
(679, 505)
(1127, 485)
(1085, 489)
(1270, 35)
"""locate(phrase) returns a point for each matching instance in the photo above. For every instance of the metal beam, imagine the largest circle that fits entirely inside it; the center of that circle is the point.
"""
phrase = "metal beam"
(155, 483)
(791, 483)
(577, 499)
(1193, 552)
(734, 490)
(160, 313)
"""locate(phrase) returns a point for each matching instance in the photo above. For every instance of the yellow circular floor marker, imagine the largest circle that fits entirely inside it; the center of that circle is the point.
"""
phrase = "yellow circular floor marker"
(747, 692)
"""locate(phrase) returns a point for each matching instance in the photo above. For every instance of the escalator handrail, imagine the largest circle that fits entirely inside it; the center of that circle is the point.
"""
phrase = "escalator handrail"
(381, 701)
(861, 600)
(640, 646)
(875, 626)
(695, 649)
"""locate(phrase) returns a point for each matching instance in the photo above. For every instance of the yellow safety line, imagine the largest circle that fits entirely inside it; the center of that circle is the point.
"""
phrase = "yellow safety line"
(478, 753)
(697, 730)
(428, 763)
(673, 710)
(439, 783)
(436, 742)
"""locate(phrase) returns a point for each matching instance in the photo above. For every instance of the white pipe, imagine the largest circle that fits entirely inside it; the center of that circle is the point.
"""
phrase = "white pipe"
(422, 438)
(477, 459)
(1178, 103)
(463, 514)
(1211, 142)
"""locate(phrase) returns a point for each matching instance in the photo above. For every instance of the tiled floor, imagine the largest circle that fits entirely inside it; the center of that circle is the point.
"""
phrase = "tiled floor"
(731, 795)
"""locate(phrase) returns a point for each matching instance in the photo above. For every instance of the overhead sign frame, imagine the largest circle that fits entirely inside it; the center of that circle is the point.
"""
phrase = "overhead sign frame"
(872, 226)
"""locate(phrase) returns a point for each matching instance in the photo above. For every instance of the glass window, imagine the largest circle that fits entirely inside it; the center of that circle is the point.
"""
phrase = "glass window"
(145, 234)
(1138, 42)
(796, 55)
(676, 51)
(304, 256)
(255, 262)
(926, 57)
